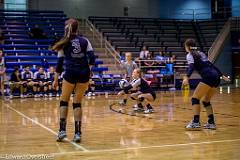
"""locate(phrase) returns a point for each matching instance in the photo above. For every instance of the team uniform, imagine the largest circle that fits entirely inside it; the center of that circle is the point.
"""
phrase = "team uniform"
(142, 87)
(27, 76)
(40, 80)
(50, 79)
(210, 74)
(78, 55)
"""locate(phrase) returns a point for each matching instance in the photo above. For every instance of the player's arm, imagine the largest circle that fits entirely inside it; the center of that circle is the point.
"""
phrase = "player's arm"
(90, 53)
(190, 69)
(132, 85)
(59, 67)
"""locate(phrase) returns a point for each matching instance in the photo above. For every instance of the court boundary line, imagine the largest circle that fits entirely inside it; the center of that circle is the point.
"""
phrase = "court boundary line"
(46, 128)
(149, 147)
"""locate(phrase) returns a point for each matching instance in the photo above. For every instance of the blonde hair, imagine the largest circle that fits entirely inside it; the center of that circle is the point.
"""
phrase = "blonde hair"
(138, 70)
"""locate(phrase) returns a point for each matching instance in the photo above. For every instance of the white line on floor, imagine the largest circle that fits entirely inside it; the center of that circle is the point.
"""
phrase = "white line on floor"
(148, 147)
(48, 129)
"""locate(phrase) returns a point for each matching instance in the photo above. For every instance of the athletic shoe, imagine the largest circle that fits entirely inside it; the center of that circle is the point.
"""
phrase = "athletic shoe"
(61, 135)
(50, 95)
(58, 95)
(22, 96)
(139, 108)
(135, 106)
(77, 138)
(193, 126)
(45, 95)
(148, 111)
(122, 103)
(209, 126)
(11, 96)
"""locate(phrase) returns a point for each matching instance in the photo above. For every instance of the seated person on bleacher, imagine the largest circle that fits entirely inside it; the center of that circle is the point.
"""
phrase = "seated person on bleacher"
(27, 79)
(50, 78)
(173, 59)
(37, 33)
(16, 83)
(149, 61)
(161, 59)
(40, 87)
(143, 55)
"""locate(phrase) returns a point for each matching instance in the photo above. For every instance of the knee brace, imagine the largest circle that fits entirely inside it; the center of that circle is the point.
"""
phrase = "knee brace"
(133, 98)
(63, 104)
(141, 99)
(76, 105)
(195, 101)
(206, 104)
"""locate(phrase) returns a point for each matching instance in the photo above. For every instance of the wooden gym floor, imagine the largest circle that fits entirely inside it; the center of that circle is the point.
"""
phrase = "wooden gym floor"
(28, 127)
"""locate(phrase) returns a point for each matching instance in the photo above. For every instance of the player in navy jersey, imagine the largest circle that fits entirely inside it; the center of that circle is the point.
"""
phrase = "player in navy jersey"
(50, 78)
(77, 52)
(205, 90)
(27, 79)
(40, 80)
(144, 91)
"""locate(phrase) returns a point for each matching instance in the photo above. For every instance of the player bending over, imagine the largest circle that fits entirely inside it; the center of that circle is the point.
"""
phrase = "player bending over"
(144, 93)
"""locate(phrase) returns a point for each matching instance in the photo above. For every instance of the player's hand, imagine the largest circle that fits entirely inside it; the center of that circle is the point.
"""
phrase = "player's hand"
(120, 93)
(226, 78)
(55, 84)
(185, 81)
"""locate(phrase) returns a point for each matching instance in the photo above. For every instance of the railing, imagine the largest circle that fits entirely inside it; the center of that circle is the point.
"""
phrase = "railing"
(218, 43)
(96, 35)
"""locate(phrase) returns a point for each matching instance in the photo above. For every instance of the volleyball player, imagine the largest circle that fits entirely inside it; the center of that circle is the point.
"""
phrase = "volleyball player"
(128, 66)
(40, 86)
(50, 78)
(144, 93)
(27, 79)
(206, 88)
(78, 55)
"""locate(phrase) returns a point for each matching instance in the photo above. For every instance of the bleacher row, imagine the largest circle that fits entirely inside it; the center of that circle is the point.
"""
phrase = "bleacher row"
(19, 50)
(130, 34)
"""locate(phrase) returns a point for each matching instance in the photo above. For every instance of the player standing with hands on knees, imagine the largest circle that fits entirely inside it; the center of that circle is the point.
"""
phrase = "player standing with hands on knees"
(205, 90)
(77, 52)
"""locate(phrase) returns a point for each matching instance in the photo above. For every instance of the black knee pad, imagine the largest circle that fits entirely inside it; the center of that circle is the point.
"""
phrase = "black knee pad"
(63, 104)
(206, 104)
(133, 98)
(195, 101)
(141, 99)
(77, 105)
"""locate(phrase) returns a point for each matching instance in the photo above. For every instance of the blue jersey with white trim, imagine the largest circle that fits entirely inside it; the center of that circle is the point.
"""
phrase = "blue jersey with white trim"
(78, 55)
(139, 84)
(40, 76)
(27, 75)
(50, 76)
(198, 61)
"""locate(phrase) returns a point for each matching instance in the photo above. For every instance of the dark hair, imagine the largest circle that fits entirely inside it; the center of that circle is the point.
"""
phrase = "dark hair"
(71, 29)
(15, 69)
(191, 43)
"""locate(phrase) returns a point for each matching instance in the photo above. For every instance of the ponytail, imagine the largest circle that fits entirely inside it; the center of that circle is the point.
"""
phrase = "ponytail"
(71, 29)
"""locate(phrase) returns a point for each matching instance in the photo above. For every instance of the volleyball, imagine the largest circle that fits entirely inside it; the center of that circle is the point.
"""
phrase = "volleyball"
(123, 83)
